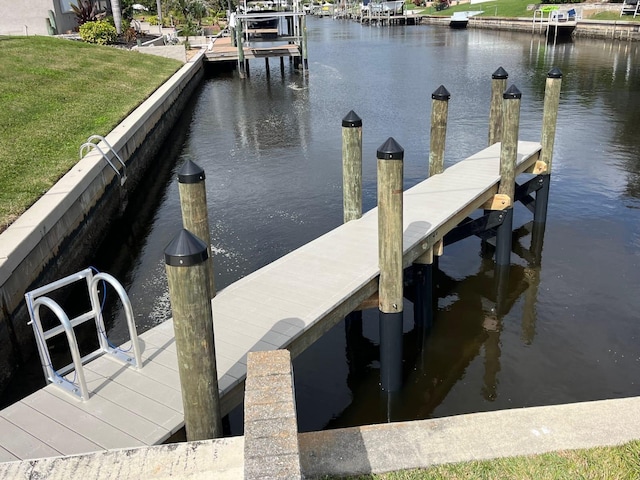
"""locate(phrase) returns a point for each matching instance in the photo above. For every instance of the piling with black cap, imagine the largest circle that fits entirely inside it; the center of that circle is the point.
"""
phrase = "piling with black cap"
(439, 114)
(549, 121)
(390, 252)
(186, 265)
(352, 166)
(498, 86)
(508, 158)
(195, 215)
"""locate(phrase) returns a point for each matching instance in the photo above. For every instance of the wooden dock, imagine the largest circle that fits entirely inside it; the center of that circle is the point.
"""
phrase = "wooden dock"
(222, 50)
(289, 304)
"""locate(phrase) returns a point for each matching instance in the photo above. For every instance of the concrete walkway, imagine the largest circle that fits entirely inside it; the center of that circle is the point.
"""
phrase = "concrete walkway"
(369, 449)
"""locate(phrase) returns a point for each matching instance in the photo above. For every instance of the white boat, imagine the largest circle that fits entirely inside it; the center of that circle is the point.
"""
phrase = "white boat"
(461, 19)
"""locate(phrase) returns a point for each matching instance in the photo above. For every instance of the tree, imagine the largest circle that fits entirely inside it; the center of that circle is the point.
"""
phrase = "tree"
(117, 15)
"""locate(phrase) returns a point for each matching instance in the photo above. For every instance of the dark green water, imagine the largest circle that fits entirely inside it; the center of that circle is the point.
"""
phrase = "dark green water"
(271, 148)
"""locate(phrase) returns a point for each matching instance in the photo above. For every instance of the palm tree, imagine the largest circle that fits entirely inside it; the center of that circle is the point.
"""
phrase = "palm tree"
(117, 15)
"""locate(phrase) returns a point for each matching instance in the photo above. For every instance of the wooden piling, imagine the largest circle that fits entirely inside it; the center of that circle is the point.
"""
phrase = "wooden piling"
(498, 86)
(305, 63)
(195, 215)
(239, 43)
(352, 166)
(282, 66)
(508, 158)
(390, 252)
(266, 67)
(186, 265)
(549, 121)
(439, 114)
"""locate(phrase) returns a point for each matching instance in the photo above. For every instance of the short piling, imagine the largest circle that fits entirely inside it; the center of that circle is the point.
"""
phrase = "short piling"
(186, 265)
(439, 114)
(390, 157)
(549, 121)
(352, 166)
(508, 158)
(195, 215)
(498, 87)
(239, 44)
(305, 51)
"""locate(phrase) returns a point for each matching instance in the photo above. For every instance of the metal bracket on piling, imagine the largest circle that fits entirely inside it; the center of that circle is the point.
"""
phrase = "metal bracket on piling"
(485, 223)
(89, 144)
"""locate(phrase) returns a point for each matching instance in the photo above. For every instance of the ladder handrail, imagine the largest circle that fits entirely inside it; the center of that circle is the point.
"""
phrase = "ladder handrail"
(89, 144)
(51, 374)
(128, 309)
(37, 298)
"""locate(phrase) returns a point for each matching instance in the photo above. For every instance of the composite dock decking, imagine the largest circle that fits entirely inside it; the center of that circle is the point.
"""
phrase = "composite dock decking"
(286, 304)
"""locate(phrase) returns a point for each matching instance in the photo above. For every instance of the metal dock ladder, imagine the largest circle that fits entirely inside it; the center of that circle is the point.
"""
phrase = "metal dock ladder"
(90, 144)
(36, 299)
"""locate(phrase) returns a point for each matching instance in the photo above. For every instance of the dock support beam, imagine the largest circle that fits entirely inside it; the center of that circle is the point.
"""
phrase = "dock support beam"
(498, 86)
(390, 157)
(186, 264)
(508, 158)
(549, 121)
(304, 51)
(193, 204)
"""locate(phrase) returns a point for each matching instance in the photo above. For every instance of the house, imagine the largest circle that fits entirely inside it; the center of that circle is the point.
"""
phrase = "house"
(39, 17)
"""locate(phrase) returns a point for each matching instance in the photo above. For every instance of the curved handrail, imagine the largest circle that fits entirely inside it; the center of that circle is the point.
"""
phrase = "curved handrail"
(128, 309)
(71, 338)
(89, 144)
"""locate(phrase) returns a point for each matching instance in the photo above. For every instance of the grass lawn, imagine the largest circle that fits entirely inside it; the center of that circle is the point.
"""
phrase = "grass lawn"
(518, 8)
(55, 94)
(620, 463)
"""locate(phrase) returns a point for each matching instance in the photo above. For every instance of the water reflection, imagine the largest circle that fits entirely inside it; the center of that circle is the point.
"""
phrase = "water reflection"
(561, 331)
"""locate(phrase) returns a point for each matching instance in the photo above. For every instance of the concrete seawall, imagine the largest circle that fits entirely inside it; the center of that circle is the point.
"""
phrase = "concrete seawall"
(612, 30)
(56, 235)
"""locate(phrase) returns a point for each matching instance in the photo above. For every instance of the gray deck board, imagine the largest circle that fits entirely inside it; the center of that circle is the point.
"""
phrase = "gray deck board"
(267, 309)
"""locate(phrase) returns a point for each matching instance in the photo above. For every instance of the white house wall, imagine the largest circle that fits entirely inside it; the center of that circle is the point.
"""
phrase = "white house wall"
(29, 17)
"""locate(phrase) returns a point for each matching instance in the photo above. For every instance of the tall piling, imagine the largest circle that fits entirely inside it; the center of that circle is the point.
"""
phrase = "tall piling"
(508, 159)
(195, 215)
(439, 115)
(186, 265)
(239, 44)
(498, 87)
(390, 157)
(549, 121)
(351, 166)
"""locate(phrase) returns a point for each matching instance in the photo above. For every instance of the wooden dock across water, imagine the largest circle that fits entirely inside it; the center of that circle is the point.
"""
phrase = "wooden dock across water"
(289, 304)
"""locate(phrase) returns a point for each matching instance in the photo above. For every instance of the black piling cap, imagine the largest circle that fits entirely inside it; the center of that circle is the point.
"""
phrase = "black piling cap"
(512, 93)
(500, 74)
(441, 93)
(185, 250)
(190, 173)
(555, 72)
(390, 150)
(352, 120)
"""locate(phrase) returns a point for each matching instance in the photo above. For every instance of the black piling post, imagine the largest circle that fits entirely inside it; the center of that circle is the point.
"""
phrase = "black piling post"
(390, 251)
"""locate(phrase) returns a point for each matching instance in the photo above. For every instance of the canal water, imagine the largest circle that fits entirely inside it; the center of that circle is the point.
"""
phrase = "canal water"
(567, 327)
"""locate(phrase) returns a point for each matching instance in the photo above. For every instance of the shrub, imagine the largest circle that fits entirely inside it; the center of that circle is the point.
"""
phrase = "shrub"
(85, 11)
(101, 32)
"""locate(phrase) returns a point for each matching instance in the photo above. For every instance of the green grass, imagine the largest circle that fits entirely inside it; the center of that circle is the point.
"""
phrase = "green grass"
(54, 94)
(503, 8)
(620, 463)
(518, 8)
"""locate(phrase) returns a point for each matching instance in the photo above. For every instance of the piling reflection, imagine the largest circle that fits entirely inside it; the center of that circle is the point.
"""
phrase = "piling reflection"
(467, 325)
